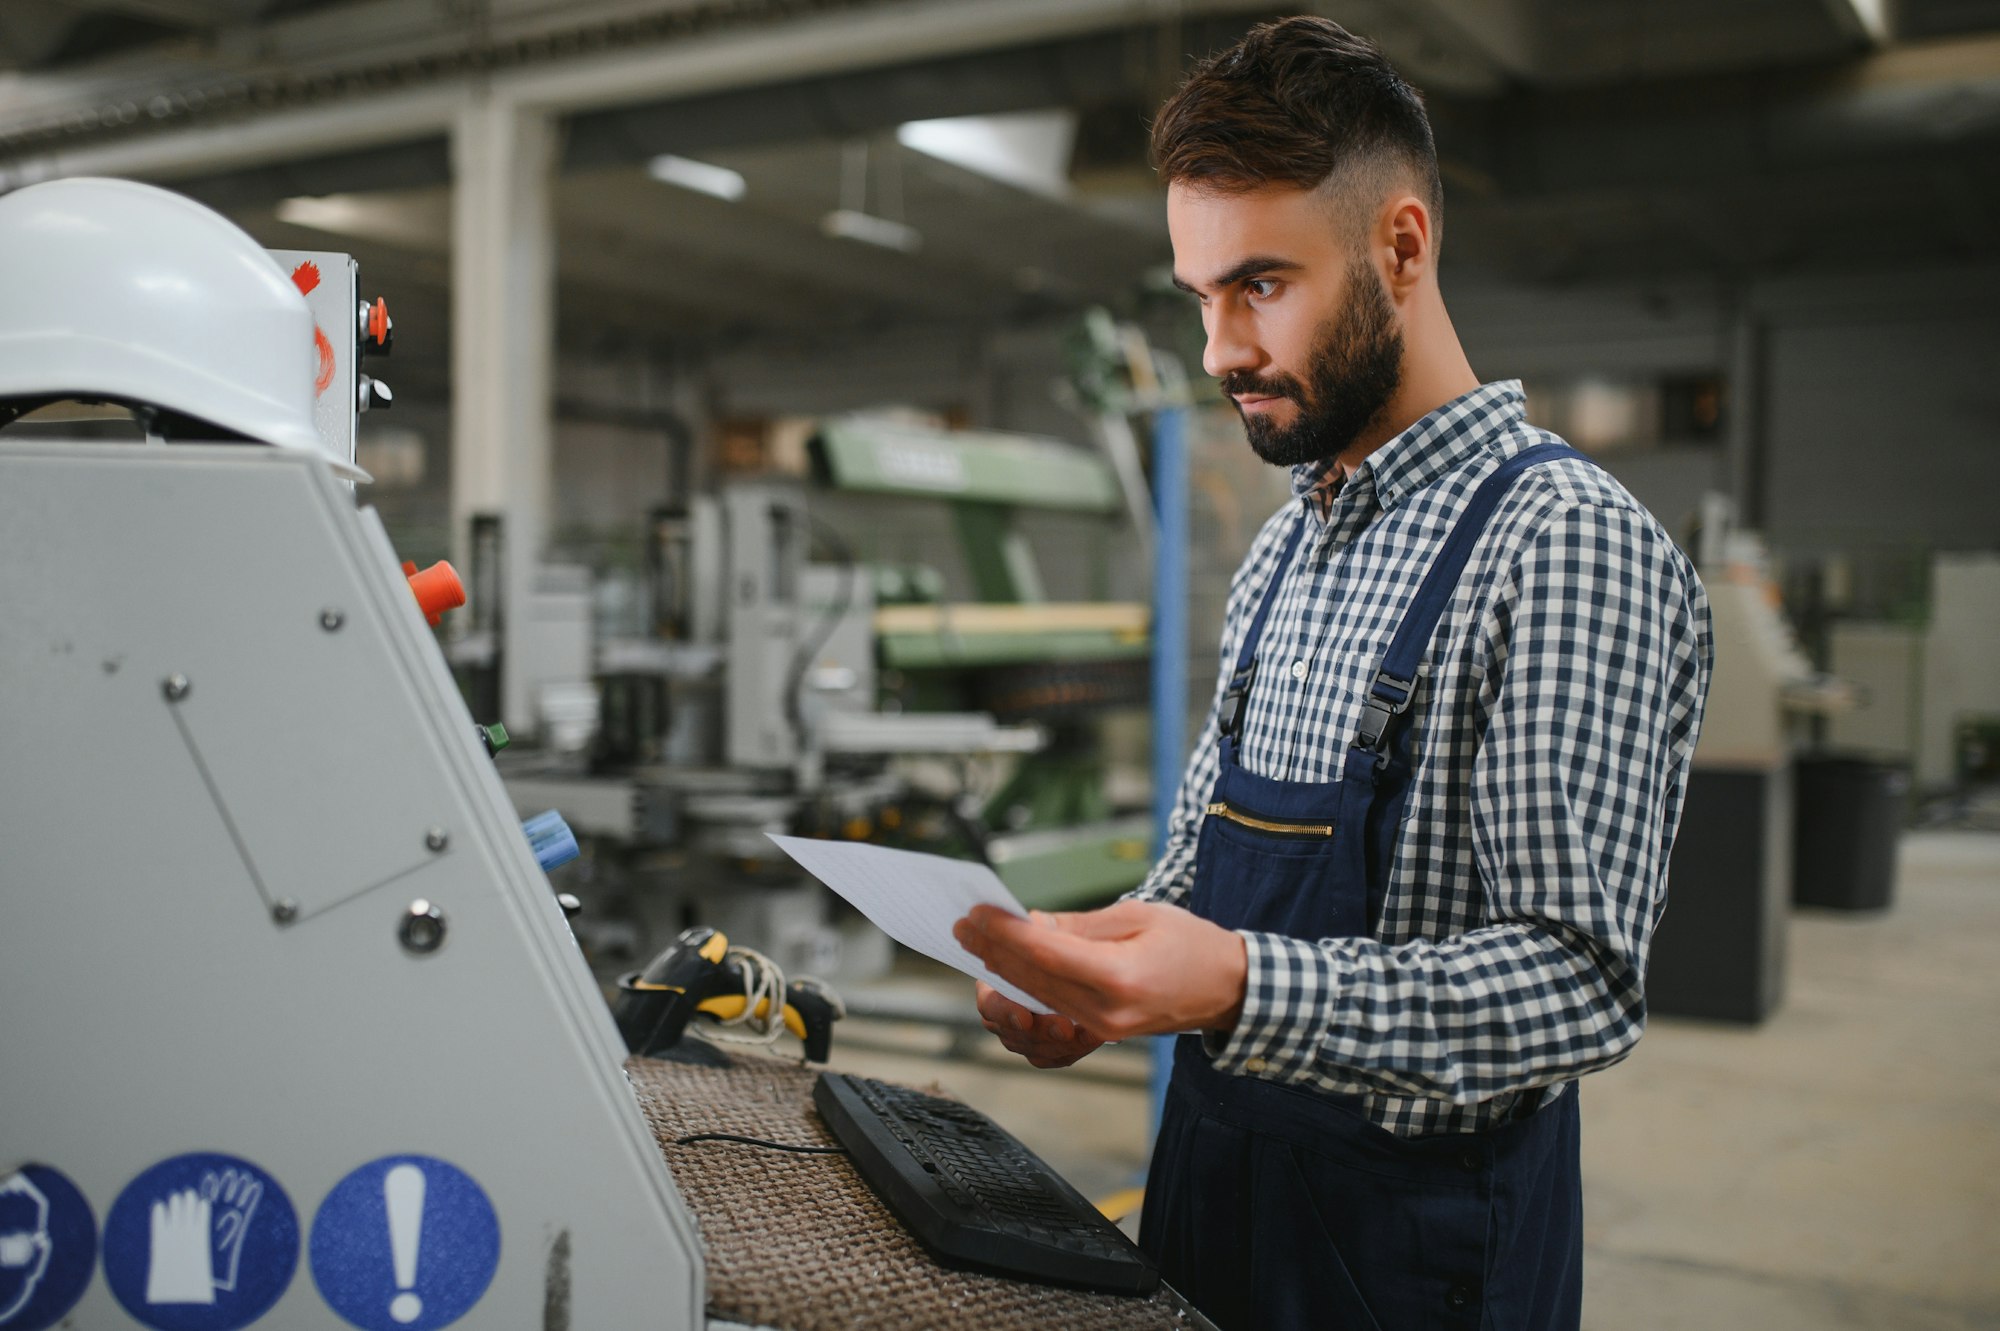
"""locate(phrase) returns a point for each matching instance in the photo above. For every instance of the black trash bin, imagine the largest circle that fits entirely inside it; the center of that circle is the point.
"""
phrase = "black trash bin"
(1849, 817)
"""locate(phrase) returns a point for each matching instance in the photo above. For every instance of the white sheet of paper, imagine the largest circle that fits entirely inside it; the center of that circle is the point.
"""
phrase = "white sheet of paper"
(912, 897)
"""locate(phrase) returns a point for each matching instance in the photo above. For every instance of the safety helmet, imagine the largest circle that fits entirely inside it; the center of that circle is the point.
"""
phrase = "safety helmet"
(116, 291)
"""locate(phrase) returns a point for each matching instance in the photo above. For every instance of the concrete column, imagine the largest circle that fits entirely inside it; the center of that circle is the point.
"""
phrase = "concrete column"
(503, 355)
(1744, 435)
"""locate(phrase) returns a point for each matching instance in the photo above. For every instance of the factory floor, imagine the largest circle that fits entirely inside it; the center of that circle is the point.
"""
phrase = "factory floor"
(1836, 1168)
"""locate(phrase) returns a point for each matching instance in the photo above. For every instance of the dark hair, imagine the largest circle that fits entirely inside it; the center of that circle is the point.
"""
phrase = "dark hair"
(1299, 102)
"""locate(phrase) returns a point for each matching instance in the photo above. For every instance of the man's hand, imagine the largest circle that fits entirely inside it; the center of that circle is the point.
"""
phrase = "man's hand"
(1136, 968)
(1045, 1040)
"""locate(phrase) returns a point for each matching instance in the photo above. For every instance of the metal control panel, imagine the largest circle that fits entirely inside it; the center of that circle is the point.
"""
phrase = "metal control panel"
(347, 329)
(296, 1033)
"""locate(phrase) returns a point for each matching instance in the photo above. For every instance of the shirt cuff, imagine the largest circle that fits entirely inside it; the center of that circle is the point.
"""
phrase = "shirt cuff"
(1286, 988)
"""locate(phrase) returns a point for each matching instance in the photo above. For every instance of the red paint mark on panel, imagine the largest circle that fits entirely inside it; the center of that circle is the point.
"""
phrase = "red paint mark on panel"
(324, 379)
(305, 277)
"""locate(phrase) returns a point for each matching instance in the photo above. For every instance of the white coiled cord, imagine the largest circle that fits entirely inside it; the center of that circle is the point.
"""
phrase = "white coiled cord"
(764, 984)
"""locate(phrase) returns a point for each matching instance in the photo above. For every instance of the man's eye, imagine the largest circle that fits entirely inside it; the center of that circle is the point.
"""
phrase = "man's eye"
(1263, 288)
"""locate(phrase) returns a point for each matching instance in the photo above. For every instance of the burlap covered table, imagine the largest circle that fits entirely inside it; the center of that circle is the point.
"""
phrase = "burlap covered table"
(798, 1242)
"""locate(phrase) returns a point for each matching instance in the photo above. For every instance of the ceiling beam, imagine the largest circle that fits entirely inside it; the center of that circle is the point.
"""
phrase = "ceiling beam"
(876, 37)
(196, 14)
(1117, 69)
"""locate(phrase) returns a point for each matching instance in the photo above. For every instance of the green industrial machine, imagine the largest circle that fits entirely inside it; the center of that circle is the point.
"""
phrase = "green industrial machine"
(1050, 831)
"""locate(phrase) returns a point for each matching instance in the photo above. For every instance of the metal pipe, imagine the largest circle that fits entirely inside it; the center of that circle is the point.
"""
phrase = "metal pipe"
(1170, 663)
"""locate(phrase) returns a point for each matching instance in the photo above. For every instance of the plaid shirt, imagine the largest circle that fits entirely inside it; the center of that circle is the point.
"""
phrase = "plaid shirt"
(1552, 727)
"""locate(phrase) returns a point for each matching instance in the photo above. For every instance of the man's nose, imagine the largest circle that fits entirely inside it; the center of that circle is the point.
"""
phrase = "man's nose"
(1230, 346)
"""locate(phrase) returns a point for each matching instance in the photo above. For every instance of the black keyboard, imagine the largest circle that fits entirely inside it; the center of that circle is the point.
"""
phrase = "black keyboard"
(972, 1194)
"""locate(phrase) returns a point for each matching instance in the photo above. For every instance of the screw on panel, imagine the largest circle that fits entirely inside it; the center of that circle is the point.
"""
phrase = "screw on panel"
(422, 927)
(285, 911)
(331, 619)
(175, 687)
(437, 838)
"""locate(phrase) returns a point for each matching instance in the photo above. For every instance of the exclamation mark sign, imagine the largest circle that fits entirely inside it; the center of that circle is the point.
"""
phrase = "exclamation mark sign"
(403, 1194)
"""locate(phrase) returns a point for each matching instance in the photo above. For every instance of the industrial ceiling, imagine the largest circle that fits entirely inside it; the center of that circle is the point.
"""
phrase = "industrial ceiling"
(1638, 139)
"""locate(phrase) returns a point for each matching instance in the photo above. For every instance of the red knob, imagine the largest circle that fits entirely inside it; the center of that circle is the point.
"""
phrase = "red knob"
(436, 588)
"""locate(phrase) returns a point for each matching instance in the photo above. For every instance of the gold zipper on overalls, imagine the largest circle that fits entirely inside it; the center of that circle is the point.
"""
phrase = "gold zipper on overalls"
(1223, 809)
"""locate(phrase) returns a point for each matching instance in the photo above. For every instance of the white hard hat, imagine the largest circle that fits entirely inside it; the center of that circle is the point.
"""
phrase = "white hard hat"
(114, 290)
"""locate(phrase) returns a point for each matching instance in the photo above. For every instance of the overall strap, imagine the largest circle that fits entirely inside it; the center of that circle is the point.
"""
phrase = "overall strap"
(1236, 701)
(1396, 681)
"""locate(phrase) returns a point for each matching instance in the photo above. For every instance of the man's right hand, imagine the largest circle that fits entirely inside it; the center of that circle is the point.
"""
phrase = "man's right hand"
(1047, 1041)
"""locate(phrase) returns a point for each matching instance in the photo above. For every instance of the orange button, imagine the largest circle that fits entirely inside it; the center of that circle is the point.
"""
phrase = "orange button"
(436, 588)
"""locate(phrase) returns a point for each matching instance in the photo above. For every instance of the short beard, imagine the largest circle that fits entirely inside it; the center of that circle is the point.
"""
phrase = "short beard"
(1355, 368)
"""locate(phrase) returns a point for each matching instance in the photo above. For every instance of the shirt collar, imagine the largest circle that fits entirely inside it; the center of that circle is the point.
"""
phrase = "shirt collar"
(1421, 454)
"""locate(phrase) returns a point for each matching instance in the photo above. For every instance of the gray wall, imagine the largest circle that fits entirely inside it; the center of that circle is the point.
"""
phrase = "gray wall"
(1884, 432)
(1865, 408)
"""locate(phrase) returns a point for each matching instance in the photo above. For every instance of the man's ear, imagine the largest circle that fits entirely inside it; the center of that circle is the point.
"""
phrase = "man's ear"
(1406, 244)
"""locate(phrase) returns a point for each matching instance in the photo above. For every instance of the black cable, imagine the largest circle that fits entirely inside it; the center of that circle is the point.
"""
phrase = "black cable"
(758, 1141)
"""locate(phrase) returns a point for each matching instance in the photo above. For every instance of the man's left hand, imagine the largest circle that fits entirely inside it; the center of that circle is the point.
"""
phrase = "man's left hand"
(1134, 968)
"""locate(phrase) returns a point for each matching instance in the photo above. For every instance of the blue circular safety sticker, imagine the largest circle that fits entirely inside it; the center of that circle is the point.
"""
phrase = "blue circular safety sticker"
(201, 1242)
(404, 1243)
(48, 1248)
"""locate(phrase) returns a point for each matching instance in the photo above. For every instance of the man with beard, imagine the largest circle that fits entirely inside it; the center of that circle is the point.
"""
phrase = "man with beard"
(1422, 843)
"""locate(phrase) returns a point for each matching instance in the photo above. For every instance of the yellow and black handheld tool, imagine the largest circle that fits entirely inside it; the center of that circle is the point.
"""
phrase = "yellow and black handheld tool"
(699, 974)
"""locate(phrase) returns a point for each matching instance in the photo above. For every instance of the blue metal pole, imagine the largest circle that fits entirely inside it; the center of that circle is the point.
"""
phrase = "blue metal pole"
(1170, 661)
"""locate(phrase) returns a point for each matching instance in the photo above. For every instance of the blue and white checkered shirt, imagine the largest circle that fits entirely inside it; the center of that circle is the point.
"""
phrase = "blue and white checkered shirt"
(1553, 723)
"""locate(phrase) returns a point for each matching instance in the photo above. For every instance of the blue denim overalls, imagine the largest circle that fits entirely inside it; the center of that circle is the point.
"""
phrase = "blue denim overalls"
(1271, 1205)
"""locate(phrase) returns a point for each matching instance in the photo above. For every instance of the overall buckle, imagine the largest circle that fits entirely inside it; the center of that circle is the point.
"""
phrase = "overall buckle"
(1388, 698)
(1234, 702)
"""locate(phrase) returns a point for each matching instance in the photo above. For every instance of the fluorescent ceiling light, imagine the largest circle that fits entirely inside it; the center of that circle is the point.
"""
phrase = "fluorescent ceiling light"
(850, 224)
(718, 182)
(419, 219)
(334, 212)
(1029, 149)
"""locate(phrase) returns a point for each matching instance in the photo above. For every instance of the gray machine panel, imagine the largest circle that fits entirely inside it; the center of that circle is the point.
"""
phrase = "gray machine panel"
(156, 1003)
(333, 290)
(766, 539)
